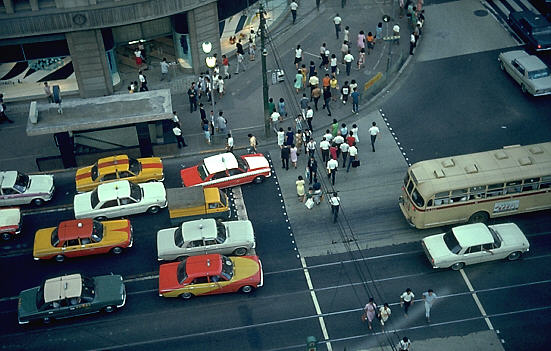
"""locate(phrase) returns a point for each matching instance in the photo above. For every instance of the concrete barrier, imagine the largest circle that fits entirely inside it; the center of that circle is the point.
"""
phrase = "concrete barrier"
(33, 112)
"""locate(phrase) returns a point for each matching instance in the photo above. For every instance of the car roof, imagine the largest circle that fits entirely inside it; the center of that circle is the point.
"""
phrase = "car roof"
(74, 229)
(114, 190)
(7, 178)
(199, 266)
(531, 62)
(201, 228)
(535, 20)
(112, 164)
(67, 286)
(473, 234)
(221, 162)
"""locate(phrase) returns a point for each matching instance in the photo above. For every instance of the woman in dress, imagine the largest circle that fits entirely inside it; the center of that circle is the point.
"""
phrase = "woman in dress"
(294, 155)
(298, 135)
(298, 81)
(370, 311)
(304, 72)
(361, 40)
(354, 131)
(384, 313)
(281, 107)
(361, 59)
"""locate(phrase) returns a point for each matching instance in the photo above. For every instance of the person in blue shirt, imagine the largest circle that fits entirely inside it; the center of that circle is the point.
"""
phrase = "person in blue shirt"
(355, 101)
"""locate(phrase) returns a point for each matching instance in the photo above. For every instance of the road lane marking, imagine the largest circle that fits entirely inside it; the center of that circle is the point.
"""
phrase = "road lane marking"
(476, 300)
(316, 304)
(51, 209)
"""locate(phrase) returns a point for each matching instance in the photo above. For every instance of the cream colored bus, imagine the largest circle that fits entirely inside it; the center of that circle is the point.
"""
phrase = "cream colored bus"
(472, 188)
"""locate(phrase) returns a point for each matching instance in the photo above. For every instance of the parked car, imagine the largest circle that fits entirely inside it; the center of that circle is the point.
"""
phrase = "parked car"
(110, 169)
(533, 28)
(69, 296)
(475, 243)
(82, 237)
(227, 170)
(10, 222)
(210, 274)
(17, 188)
(527, 70)
(205, 236)
(120, 198)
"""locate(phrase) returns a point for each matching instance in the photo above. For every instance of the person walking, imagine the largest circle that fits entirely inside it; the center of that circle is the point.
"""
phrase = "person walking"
(300, 188)
(281, 107)
(429, 296)
(404, 344)
(313, 82)
(298, 82)
(311, 147)
(222, 122)
(370, 312)
(229, 143)
(355, 134)
(348, 58)
(309, 117)
(384, 314)
(312, 167)
(345, 92)
(360, 41)
(202, 112)
(339, 140)
(344, 152)
(335, 202)
(192, 97)
(299, 138)
(346, 34)
(285, 153)
(333, 64)
(226, 67)
(220, 87)
(373, 132)
(275, 117)
(352, 155)
(334, 85)
(298, 56)
(316, 94)
(350, 138)
(337, 21)
(252, 50)
(48, 93)
(370, 42)
(240, 63)
(332, 167)
(396, 33)
(324, 147)
(294, 7)
(294, 155)
(323, 49)
(280, 137)
(143, 81)
(344, 50)
(355, 101)
(304, 105)
(252, 143)
(164, 69)
(178, 134)
(289, 136)
(327, 99)
(361, 58)
(411, 43)
(379, 32)
(406, 300)
(333, 151)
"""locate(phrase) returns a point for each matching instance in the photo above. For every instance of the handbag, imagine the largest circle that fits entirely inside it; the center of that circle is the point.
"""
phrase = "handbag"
(364, 317)
(309, 203)
(356, 163)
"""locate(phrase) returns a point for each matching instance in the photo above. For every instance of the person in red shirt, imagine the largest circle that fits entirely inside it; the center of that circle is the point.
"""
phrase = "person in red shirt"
(333, 151)
(326, 81)
(350, 140)
(226, 64)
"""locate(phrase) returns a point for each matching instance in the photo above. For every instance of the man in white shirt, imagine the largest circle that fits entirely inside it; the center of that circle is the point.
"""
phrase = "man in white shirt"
(229, 143)
(344, 151)
(352, 153)
(335, 202)
(175, 118)
(406, 300)
(404, 344)
(324, 147)
(337, 20)
(328, 136)
(339, 140)
(294, 6)
(274, 118)
(164, 69)
(178, 134)
(411, 43)
(143, 82)
(332, 166)
(309, 117)
(298, 56)
(348, 58)
(396, 32)
(373, 132)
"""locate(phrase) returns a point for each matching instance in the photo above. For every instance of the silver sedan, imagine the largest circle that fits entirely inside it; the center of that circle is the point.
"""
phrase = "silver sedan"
(527, 70)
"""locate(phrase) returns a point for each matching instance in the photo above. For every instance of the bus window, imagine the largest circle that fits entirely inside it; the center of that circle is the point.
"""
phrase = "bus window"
(513, 187)
(442, 199)
(530, 184)
(545, 182)
(406, 180)
(477, 192)
(410, 187)
(495, 190)
(459, 195)
(417, 198)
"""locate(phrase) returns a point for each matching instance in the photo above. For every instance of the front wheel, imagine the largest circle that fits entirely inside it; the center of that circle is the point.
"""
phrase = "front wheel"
(153, 209)
(38, 202)
(186, 296)
(457, 266)
(240, 251)
(110, 309)
(101, 218)
(6, 236)
(523, 88)
(479, 217)
(60, 258)
(258, 179)
(501, 66)
(513, 256)
(247, 289)
(116, 250)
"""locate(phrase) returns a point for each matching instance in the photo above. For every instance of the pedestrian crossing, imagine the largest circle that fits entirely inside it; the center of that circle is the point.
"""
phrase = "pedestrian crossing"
(504, 7)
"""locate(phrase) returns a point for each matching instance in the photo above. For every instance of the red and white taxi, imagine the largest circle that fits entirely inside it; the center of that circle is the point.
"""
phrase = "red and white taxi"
(227, 170)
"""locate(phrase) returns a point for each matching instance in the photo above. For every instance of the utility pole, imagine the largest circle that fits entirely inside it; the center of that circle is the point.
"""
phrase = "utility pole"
(262, 29)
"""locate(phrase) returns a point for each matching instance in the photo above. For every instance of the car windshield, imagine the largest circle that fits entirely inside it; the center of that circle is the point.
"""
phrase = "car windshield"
(203, 173)
(55, 238)
(227, 268)
(182, 274)
(97, 232)
(242, 164)
(135, 192)
(178, 237)
(22, 182)
(134, 166)
(417, 198)
(94, 198)
(541, 30)
(497, 238)
(87, 289)
(223, 199)
(94, 172)
(222, 233)
(540, 73)
(40, 296)
(451, 242)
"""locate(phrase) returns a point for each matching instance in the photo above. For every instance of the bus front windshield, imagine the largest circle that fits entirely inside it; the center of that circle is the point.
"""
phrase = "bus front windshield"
(417, 198)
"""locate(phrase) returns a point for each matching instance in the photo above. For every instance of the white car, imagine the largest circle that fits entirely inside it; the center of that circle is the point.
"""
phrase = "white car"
(120, 198)
(205, 236)
(475, 243)
(527, 70)
(17, 188)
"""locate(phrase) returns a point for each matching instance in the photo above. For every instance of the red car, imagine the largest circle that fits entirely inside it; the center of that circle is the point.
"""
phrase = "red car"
(227, 170)
(210, 274)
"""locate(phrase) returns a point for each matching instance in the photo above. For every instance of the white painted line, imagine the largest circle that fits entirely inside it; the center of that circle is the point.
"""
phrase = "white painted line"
(513, 4)
(476, 300)
(529, 6)
(316, 304)
(140, 279)
(308, 53)
(239, 204)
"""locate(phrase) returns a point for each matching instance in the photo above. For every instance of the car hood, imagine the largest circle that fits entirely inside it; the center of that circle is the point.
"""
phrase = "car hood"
(43, 242)
(109, 290)
(27, 304)
(542, 83)
(168, 277)
(82, 204)
(512, 235)
(165, 244)
(256, 162)
(153, 192)
(41, 184)
(543, 39)
(190, 176)
(436, 247)
(240, 231)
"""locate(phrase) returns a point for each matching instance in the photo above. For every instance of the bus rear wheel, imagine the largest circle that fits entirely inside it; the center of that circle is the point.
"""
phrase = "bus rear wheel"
(479, 217)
